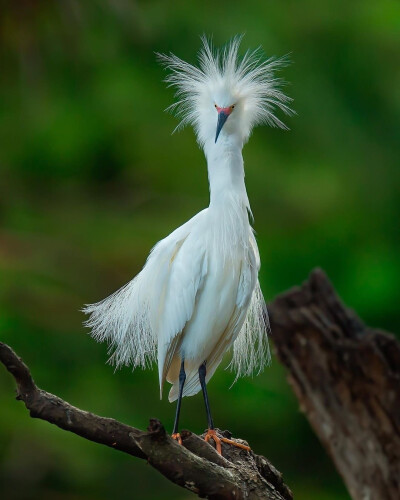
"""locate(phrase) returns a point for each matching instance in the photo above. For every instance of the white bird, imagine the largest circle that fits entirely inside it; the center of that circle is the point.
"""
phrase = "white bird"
(198, 294)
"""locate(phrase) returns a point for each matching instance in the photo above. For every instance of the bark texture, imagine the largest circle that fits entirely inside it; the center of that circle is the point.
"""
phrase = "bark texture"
(195, 466)
(346, 377)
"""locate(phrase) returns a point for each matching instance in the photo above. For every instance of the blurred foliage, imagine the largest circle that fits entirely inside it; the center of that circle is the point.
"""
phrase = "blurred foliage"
(91, 178)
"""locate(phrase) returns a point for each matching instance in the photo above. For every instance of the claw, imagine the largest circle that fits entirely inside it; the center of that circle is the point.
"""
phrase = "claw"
(211, 434)
(235, 443)
(177, 437)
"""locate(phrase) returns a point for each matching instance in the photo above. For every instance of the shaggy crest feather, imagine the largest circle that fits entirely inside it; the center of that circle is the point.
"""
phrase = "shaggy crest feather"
(250, 79)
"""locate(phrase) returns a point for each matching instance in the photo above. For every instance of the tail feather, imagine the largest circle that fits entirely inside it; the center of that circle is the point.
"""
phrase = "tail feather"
(192, 383)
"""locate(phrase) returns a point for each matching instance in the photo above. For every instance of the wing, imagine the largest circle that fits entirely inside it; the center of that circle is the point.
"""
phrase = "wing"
(176, 301)
(248, 328)
(247, 282)
(127, 319)
(251, 349)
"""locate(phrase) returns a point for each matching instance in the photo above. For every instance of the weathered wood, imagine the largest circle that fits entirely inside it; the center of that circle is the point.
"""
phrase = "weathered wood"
(346, 377)
(195, 466)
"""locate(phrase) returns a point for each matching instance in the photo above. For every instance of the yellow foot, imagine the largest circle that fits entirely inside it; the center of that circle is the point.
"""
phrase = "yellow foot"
(211, 434)
(177, 437)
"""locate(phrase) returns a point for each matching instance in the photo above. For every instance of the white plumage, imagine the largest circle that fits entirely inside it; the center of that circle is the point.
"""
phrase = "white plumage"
(198, 294)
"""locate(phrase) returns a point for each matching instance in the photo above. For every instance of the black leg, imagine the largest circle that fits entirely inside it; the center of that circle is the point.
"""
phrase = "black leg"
(202, 377)
(211, 434)
(182, 378)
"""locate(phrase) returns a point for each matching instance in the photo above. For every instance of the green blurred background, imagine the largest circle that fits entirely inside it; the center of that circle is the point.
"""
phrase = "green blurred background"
(91, 178)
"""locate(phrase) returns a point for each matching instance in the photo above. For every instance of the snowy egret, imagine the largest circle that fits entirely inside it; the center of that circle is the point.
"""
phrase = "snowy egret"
(198, 294)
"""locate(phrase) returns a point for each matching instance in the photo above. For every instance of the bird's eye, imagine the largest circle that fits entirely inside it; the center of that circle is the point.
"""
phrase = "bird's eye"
(233, 106)
(215, 106)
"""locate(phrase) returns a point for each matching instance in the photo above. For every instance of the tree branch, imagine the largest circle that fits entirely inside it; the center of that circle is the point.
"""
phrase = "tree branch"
(346, 377)
(195, 466)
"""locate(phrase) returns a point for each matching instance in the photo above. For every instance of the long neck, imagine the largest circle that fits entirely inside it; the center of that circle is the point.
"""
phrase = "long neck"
(226, 173)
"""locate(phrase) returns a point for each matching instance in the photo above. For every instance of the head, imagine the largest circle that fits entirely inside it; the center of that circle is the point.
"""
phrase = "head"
(226, 96)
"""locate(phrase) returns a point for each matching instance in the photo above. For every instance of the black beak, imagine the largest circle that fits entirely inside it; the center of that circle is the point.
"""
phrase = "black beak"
(222, 117)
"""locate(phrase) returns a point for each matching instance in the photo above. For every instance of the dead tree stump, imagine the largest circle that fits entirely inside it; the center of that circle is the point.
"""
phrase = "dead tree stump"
(346, 377)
